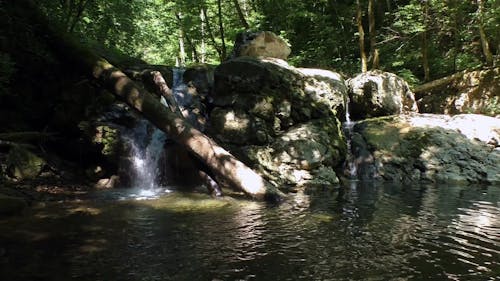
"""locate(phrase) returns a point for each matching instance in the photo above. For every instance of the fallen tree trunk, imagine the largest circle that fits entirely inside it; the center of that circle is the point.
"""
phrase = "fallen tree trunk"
(216, 158)
(26, 136)
(166, 92)
(438, 83)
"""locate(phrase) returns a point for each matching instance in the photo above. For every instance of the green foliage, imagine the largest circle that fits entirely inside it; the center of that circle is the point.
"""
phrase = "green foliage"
(321, 33)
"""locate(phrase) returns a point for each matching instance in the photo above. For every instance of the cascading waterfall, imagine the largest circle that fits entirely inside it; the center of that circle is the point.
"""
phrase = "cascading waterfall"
(147, 142)
(351, 168)
(146, 146)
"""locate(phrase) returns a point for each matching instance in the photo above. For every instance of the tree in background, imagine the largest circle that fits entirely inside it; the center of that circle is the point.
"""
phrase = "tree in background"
(418, 39)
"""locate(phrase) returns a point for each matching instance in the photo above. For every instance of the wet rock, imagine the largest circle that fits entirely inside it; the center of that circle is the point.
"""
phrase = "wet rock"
(108, 183)
(435, 148)
(377, 93)
(261, 44)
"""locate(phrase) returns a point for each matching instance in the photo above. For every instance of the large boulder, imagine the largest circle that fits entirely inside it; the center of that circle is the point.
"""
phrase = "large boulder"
(261, 44)
(436, 148)
(280, 120)
(281, 95)
(377, 93)
(23, 164)
(471, 92)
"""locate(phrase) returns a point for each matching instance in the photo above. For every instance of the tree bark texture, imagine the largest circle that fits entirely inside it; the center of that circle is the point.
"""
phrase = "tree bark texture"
(361, 32)
(217, 159)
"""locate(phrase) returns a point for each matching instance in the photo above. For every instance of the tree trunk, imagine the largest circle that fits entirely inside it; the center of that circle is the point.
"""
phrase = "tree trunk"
(216, 158)
(182, 50)
(203, 36)
(438, 83)
(374, 54)
(425, 44)
(484, 40)
(361, 32)
(210, 32)
(184, 35)
(243, 21)
(82, 4)
(456, 33)
(221, 30)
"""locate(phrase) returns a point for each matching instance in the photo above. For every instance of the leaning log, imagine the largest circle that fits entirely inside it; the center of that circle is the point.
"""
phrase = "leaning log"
(26, 137)
(217, 159)
(438, 82)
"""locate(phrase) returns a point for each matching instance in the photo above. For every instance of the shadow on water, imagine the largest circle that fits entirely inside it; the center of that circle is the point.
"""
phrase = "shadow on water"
(372, 231)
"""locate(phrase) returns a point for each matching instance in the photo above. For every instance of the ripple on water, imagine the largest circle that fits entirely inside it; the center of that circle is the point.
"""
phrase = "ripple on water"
(373, 232)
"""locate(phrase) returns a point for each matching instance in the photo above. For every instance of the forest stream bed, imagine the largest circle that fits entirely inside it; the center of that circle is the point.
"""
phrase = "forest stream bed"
(371, 232)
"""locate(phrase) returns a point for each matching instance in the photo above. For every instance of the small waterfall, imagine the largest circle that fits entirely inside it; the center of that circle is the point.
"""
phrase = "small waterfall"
(351, 167)
(146, 146)
(186, 100)
(147, 142)
(180, 89)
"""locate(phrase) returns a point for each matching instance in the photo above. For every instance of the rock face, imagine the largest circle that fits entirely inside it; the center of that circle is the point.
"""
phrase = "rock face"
(438, 148)
(473, 92)
(376, 93)
(261, 44)
(280, 120)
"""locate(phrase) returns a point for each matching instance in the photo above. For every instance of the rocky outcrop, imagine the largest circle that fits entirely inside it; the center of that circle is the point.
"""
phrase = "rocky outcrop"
(377, 93)
(438, 148)
(468, 92)
(261, 44)
(280, 120)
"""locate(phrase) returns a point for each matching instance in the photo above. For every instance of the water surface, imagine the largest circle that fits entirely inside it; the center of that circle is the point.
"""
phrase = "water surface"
(371, 232)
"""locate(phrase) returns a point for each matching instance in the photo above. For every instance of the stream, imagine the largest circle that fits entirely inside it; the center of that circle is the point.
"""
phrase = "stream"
(368, 232)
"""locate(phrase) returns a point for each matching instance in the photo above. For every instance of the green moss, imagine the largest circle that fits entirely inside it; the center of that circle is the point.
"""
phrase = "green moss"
(109, 138)
(23, 164)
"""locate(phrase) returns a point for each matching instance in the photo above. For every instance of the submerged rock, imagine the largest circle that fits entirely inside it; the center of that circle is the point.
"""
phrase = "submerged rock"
(377, 93)
(435, 148)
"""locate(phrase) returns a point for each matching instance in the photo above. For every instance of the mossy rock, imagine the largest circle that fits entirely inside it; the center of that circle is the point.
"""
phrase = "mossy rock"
(23, 164)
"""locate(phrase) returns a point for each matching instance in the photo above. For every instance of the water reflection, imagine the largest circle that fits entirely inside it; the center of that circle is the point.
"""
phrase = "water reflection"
(371, 231)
